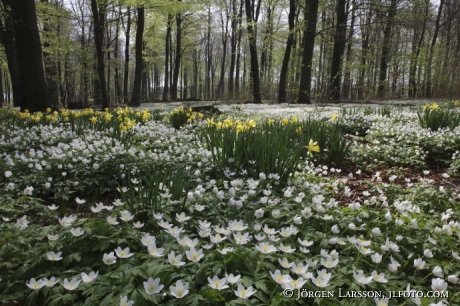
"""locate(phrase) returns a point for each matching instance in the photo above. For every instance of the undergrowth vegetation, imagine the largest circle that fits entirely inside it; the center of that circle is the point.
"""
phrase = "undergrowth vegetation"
(183, 208)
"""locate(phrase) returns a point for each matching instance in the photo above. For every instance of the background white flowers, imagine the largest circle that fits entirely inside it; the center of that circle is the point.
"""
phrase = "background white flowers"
(154, 237)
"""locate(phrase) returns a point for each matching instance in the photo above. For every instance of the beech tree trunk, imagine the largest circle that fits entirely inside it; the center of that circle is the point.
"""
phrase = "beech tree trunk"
(220, 85)
(98, 17)
(9, 42)
(238, 50)
(116, 77)
(287, 54)
(233, 42)
(416, 47)
(50, 67)
(167, 51)
(32, 83)
(346, 88)
(430, 56)
(339, 49)
(126, 68)
(311, 15)
(135, 100)
(249, 5)
(386, 47)
(177, 58)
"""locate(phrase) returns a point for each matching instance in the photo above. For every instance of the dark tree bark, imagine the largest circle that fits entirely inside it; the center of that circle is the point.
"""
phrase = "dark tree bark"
(250, 19)
(220, 85)
(364, 53)
(1, 87)
(145, 91)
(416, 47)
(108, 39)
(177, 58)
(126, 68)
(50, 67)
(266, 56)
(208, 54)
(98, 19)
(135, 100)
(386, 47)
(167, 51)
(287, 53)
(338, 51)
(233, 42)
(430, 56)
(7, 87)
(347, 77)
(156, 81)
(238, 50)
(32, 83)
(9, 42)
(116, 77)
(311, 15)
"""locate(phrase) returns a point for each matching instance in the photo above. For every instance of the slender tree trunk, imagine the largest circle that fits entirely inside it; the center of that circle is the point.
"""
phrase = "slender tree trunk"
(220, 85)
(253, 50)
(238, 50)
(145, 80)
(208, 59)
(287, 53)
(9, 42)
(386, 48)
(347, 78)
(267, 44)
(85, 69)
(126, 68)
(135, 100)
(2, 99)
(8, 91)
(364, 54)
(416, 47)
(177, 58)
(428, 89)
(339, 48)
(167, 54)
(98, 17)
(311, 16)
(108, 70)
(32, 82)
(233, 42)
(50, 65)
(116, 77)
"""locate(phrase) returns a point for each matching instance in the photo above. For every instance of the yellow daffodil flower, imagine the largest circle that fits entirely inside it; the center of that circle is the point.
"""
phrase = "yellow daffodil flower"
(251, 123)
(239, 127)
(227, 123)
(108, 116)
(210, 122)
(312, 147)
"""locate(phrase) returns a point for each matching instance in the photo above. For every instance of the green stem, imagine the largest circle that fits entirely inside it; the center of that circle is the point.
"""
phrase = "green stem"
(274, 290)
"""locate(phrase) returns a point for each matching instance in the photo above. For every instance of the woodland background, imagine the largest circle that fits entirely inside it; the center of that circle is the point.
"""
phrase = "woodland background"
(76, 53)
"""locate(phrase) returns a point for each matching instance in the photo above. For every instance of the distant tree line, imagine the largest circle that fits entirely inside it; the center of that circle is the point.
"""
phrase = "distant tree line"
(75, 53)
